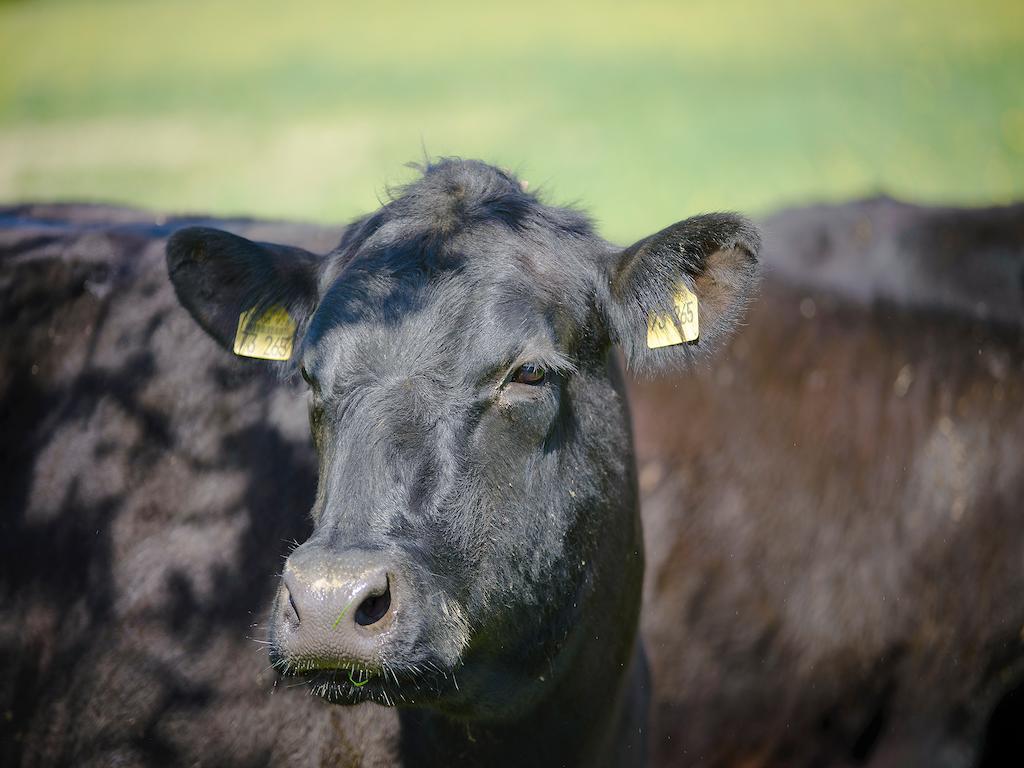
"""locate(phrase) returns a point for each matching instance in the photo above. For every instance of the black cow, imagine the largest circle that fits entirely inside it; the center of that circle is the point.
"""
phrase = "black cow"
(476, 553)
(152, 481)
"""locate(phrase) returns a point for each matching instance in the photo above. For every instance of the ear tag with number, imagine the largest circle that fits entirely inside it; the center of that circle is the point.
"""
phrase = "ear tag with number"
(663, 332)
(268, 337)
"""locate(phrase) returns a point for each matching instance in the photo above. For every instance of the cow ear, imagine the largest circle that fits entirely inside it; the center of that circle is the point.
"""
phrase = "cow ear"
(231, 285)
(676, 295)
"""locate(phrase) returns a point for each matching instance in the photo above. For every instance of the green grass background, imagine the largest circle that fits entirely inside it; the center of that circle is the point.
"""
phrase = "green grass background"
(642, 112)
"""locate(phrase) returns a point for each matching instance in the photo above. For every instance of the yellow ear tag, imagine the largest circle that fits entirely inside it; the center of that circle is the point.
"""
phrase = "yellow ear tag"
(662, 332)
(268, 337)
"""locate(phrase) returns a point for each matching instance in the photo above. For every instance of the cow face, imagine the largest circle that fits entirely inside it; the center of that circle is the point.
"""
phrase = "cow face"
(475, 518)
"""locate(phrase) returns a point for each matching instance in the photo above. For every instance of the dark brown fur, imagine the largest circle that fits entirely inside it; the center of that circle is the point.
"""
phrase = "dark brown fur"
(833, 508)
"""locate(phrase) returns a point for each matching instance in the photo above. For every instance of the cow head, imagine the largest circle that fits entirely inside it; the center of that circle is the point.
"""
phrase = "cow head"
(475, 518)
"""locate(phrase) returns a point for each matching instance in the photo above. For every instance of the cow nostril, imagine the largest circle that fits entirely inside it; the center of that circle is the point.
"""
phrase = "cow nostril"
(289, 610)
(374, 608)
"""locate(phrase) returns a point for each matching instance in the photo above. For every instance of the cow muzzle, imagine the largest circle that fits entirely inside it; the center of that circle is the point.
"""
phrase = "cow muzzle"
(334, 611)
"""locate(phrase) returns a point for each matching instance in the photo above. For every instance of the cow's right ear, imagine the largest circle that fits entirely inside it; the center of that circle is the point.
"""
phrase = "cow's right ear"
(220, 277)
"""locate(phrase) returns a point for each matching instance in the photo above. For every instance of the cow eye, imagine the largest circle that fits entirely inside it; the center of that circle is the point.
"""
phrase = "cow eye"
(306, 377)
(529, 373)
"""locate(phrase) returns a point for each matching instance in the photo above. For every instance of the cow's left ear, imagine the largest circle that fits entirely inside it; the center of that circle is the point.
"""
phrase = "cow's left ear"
(676, 295)
(251, 297)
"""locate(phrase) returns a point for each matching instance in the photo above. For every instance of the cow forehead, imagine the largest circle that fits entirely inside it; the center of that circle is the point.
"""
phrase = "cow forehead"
(415, 324)
(403, 295)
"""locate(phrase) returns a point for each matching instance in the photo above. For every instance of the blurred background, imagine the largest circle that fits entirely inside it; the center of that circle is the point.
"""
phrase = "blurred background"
(643, 112)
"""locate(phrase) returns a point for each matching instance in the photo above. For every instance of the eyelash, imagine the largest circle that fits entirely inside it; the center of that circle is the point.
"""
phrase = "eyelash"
(529, 374)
